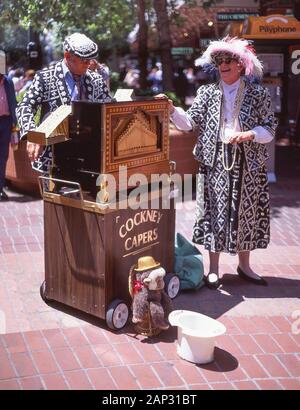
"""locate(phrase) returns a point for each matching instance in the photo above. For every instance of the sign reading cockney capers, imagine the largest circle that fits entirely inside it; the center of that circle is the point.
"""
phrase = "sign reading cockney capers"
(147, 235)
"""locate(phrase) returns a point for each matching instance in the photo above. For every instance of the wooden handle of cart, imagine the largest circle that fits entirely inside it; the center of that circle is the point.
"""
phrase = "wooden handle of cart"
(51, 187)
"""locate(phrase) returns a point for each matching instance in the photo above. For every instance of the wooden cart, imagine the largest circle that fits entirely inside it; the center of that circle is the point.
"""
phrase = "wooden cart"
(90, 245)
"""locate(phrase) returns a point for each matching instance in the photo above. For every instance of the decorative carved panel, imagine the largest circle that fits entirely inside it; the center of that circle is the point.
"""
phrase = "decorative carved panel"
(135, 135)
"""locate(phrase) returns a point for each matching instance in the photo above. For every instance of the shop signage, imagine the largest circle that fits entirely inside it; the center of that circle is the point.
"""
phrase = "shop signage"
(274, 26)
(234, 16)
(182, 51)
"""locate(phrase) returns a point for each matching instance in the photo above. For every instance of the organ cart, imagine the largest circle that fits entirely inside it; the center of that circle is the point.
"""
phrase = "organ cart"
(93, 233)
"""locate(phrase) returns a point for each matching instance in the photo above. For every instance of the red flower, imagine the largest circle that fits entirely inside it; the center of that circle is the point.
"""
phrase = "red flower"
(137, 286)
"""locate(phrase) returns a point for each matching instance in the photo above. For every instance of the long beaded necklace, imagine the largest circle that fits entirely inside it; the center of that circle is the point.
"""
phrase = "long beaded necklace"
(236, 111)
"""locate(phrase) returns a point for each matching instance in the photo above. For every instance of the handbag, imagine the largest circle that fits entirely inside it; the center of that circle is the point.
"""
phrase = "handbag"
(188, 264)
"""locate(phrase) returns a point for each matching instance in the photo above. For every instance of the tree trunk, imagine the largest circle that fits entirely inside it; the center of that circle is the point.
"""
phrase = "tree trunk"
(163, 28)
(297, 10)
(142, 43)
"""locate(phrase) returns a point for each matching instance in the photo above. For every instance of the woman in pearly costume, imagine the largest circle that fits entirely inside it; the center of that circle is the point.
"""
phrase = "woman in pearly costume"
(234, 121)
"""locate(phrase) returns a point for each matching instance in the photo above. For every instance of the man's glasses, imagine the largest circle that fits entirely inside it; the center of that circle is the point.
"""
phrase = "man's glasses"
(227, 60)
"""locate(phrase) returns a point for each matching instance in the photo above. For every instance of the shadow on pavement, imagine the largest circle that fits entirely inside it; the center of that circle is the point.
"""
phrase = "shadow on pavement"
(233, 291)
(224, 362)
(213, 303)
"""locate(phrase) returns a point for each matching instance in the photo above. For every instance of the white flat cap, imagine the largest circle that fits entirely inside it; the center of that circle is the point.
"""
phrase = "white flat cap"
(81, 46)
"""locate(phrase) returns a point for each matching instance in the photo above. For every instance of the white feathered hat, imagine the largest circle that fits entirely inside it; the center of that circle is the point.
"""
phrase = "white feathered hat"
(237, 47)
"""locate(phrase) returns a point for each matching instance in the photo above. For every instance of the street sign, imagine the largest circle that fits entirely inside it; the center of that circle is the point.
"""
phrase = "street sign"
(181, 51)
(234, 16)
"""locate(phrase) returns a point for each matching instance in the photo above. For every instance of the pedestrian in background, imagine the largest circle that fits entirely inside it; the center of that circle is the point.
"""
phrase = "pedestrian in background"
(17, 78)
(8, 120)
(132, 78)
(27, 81)
(155, 79)
(191, 87)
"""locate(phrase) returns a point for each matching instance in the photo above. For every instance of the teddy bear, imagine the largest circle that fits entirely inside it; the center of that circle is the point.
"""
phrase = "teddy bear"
(149, 295)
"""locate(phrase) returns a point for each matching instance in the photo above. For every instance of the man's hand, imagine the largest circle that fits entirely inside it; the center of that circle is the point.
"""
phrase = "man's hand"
(239, 137)
(171, 106)
(33, 150)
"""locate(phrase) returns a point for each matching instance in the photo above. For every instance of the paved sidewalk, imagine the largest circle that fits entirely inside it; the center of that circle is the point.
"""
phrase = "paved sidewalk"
(50, 347)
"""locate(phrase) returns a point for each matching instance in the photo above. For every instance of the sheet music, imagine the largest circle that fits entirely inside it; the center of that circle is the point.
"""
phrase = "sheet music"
(124, 94)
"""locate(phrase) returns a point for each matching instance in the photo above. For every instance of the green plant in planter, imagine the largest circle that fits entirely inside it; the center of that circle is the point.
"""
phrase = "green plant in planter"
(176, 100)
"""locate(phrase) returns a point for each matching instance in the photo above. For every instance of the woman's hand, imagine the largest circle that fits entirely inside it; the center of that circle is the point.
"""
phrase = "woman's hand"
(171, 105)
(239, 137)
(33, 150)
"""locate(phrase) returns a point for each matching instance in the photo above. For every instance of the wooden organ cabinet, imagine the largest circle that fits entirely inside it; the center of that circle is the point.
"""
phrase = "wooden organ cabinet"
(90, 245)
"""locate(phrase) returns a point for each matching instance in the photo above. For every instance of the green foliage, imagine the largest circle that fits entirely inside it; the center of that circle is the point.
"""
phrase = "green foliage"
(176, 100)
(103, 20)
(13, 40)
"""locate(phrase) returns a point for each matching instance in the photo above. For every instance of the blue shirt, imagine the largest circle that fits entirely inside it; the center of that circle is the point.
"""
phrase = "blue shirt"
(72, 85)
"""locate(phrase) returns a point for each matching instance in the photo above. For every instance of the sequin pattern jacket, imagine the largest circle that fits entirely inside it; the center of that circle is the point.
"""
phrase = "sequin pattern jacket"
(205, 114)
(49, 90)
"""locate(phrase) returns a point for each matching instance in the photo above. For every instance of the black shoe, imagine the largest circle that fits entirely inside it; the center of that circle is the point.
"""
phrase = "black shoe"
(260, 281)
(3, 196)
(211, 282)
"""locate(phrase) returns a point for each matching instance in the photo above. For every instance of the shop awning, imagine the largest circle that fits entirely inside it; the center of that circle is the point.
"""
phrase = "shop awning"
(275, 27)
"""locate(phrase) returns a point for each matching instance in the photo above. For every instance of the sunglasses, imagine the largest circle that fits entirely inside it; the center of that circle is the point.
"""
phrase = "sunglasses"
(227, 60)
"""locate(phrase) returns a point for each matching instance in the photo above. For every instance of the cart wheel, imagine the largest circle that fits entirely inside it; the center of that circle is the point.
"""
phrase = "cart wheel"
(172, 285)
(117, 314)
(43, 292)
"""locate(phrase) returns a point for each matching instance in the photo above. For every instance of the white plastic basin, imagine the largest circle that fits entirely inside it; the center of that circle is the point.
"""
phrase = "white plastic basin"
(196, 335)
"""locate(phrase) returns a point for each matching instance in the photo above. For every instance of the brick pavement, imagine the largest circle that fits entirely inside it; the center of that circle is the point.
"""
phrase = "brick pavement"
(47, 347)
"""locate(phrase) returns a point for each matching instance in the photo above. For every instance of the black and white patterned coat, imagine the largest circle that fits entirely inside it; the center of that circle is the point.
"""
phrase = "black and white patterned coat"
(49, 90)
(205, 114)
